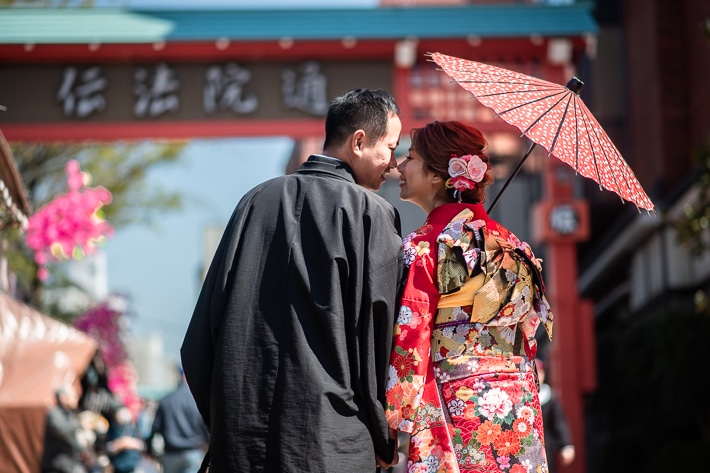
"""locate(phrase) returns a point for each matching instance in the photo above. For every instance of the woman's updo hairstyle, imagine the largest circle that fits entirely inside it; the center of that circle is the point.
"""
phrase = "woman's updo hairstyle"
(437, 142)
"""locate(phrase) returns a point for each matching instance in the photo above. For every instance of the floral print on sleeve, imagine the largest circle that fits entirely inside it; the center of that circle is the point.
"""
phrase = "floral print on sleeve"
(412, 334)
(412, 400)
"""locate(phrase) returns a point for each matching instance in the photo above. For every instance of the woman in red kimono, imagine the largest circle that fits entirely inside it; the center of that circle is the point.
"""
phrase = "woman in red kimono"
(462, 376)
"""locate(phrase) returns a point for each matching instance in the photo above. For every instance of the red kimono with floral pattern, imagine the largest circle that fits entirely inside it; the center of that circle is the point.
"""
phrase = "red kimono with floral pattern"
(461, 378)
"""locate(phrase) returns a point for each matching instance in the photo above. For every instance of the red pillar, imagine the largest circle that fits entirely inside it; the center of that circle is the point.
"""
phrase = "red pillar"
(400, 91)
(572, 369)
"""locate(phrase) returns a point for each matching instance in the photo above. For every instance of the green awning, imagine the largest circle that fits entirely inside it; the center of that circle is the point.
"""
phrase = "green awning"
(98, 25)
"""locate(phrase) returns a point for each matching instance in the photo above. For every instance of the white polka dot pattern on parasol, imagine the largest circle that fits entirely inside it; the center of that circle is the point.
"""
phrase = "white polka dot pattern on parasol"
(553, 116)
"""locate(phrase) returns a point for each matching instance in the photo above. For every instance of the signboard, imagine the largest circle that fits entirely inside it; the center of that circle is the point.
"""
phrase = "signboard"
(189, 92)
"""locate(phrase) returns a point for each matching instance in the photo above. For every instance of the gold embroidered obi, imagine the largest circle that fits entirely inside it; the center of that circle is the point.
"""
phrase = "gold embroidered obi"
(492, 298)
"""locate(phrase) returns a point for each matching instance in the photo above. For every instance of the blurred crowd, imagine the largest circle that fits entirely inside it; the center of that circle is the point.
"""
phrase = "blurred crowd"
(89, 430)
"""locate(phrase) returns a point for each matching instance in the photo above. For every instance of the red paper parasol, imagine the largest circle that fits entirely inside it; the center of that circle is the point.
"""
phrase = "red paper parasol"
(552, 116)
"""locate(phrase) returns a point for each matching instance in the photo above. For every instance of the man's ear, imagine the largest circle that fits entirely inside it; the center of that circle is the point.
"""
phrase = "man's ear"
(358, 141)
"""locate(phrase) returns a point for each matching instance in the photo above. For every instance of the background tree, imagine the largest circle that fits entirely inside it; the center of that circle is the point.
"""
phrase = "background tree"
(121, 168)
(694, 224)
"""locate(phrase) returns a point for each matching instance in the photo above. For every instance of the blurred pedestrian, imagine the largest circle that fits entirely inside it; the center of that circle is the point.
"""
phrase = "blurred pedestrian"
(66, 442)
(96, 395)
(558, 441)
(287, 349)
(123, 445)
(145, 417)
(98, 405)
(184, 434)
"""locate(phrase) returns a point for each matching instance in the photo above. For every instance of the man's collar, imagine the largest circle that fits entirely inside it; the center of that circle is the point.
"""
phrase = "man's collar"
(326, 164)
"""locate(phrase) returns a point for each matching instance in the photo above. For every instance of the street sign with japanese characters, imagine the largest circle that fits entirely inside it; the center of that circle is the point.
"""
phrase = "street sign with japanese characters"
(70, 93)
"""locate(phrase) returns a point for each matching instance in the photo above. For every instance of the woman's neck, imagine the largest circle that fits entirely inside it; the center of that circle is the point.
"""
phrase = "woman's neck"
(437, 201)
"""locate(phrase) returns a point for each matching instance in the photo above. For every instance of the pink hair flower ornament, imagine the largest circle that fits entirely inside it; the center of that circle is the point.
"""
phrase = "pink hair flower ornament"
(465, 171)
(70, 226)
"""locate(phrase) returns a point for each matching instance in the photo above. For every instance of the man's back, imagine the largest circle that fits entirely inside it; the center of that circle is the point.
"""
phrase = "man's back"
(300, 303)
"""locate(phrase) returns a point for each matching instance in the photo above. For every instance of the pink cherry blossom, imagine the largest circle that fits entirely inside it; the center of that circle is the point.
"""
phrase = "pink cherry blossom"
(70, 226)
(104, 324)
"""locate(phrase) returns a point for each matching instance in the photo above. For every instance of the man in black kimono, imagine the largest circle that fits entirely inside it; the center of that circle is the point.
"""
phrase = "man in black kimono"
(288, 347)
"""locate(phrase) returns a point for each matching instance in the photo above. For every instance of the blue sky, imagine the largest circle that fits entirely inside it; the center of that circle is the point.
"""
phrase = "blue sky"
(159, 268)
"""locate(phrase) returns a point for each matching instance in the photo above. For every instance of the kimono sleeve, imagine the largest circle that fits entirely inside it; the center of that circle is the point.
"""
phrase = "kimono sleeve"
(197, 352)
(409, 367)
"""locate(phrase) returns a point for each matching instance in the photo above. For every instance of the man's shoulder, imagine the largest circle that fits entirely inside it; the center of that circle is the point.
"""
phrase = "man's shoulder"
(325, 188)
(371, 202)
(171, 396)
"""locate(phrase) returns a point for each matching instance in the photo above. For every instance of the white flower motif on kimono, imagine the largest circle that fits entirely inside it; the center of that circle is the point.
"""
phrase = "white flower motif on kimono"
(476, 225)
(471, 258)
(458, 313)
(457, 228)
(479, 349)
(442, 375)
(419, 468)
(405, 315)
(392, 377)
(409, 238)
(525, 412)
(528, 465)
(478, 385)
(511, 277)
(543, 310)
(507, 333)
(495, 403)
(409, 254)
(433, 463)
(406, 425)
(456, 406)
(448, 332)
(472, 365)
(526, 293)
(478, 456)
(522, 307)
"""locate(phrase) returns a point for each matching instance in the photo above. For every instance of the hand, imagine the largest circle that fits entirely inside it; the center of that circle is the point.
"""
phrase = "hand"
(567, 454)
(384, 465)
(395, 458)
(124, 443)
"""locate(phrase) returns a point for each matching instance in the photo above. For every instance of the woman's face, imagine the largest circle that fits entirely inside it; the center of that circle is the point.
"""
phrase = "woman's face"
(419, 185)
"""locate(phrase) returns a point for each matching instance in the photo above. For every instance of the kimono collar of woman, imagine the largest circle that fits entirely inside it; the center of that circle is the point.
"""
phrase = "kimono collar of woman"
(444, 213)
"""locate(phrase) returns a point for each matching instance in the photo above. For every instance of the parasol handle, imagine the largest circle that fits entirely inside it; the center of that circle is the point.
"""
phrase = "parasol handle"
(512, 175)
